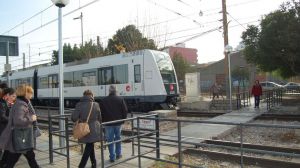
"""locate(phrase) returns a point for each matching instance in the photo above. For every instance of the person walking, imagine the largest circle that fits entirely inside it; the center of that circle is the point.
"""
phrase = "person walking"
(19, 117)
(215, 89)
(256, 92)
(81, 114)
(7, 95)
(113, 108)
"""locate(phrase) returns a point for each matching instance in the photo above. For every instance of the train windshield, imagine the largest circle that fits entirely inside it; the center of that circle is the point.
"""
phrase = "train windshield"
(165, 66)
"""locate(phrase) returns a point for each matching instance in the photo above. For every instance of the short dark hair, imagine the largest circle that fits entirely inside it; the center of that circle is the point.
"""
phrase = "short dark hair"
(3, 85)
(9, 91)
(112, 90)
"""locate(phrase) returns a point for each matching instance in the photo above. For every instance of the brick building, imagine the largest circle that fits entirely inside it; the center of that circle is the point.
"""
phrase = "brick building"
(189, 54)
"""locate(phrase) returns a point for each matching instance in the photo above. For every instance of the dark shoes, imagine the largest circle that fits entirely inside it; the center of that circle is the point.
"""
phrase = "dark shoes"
(119, 157)
(94, 165)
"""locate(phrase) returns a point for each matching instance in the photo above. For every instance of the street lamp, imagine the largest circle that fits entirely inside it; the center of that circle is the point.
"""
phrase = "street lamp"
(60, 4)
(80, 17)
(228, 49)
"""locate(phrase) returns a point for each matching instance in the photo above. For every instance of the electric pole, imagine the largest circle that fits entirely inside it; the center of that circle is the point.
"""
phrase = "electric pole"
(23, 60)
(225, 34)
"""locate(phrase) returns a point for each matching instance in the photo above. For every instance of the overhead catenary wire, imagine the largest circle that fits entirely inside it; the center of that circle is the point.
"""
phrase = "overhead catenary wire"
(51, 21)
(237, 21)
(26, 20)
(177, 13)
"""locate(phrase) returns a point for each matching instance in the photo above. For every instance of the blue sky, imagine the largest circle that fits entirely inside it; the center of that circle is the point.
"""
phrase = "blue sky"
(104, 17)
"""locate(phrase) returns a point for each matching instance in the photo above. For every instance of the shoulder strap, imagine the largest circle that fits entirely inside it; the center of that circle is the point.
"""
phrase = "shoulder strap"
(90, 112)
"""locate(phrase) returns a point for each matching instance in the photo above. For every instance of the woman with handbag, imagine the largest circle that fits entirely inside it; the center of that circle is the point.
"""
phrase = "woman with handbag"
(17, 137)
(88, 111)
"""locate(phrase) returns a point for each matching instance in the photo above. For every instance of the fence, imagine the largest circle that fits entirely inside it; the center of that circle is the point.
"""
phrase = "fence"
(243, 99)
(183, 142)
(64, 136)
(142, 137)
(272, 97)
(147, 137)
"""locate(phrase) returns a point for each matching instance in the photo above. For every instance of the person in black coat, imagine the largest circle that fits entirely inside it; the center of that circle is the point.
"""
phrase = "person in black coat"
(113, 108)
(8, 95)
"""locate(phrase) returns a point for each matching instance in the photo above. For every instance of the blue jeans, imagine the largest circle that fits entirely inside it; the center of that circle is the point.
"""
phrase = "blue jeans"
(113, 133)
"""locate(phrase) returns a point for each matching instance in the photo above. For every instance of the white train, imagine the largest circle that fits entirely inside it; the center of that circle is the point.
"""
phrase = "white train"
(145, 78)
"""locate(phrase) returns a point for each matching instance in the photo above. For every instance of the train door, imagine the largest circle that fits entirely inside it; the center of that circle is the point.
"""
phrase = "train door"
(53, 87)
(138, 88)
(105, 79)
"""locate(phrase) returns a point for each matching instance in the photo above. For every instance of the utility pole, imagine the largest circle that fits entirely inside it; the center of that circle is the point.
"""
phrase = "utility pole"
(81, 19)
(29, 55)
(225, 34)
(23, 60)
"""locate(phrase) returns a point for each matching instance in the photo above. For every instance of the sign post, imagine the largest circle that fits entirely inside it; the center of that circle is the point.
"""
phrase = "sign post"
(9, 46)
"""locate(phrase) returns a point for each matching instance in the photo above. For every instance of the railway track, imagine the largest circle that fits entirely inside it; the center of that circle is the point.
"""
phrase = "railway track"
(285, 117)
(248, 160)
(198, 114)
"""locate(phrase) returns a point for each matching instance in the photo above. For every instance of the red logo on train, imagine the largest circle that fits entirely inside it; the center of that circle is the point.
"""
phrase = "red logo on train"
(127, 88)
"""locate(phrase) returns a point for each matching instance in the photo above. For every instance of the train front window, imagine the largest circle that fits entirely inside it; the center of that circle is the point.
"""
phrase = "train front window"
(165, 67)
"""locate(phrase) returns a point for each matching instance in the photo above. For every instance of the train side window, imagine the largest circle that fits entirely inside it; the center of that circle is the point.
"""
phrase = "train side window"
(137, 73)
(89, 78)
(43, 82)
(53, 81)
(68, 79)
(106, 76)
(120, 74)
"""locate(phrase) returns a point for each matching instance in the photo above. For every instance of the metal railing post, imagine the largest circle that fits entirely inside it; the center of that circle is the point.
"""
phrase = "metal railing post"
(157, 137)
(132, 134)
(179, 144)
(67, 140)
(139, 143)
(50, 140)
(241, 140)
(101, 145)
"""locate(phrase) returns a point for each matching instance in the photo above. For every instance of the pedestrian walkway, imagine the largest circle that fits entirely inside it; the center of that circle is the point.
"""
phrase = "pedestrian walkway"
(210, 131)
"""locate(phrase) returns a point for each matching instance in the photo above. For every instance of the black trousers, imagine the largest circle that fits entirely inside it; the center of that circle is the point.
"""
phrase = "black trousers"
(4, 158)
(12, 159)
(88, 152)
(256, 101)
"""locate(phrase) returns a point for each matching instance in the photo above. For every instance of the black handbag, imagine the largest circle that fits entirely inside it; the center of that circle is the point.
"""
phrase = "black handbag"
(22, 139)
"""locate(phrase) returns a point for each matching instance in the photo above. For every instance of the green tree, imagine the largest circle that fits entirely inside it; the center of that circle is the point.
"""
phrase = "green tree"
(88, 50)
(129, 38)
(274, 45)
(181, 66)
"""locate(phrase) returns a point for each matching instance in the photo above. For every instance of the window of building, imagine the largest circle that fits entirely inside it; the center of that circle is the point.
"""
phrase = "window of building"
(137, 73)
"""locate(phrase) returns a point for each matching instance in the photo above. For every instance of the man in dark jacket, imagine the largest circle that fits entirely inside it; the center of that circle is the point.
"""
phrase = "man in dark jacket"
(113, 108)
